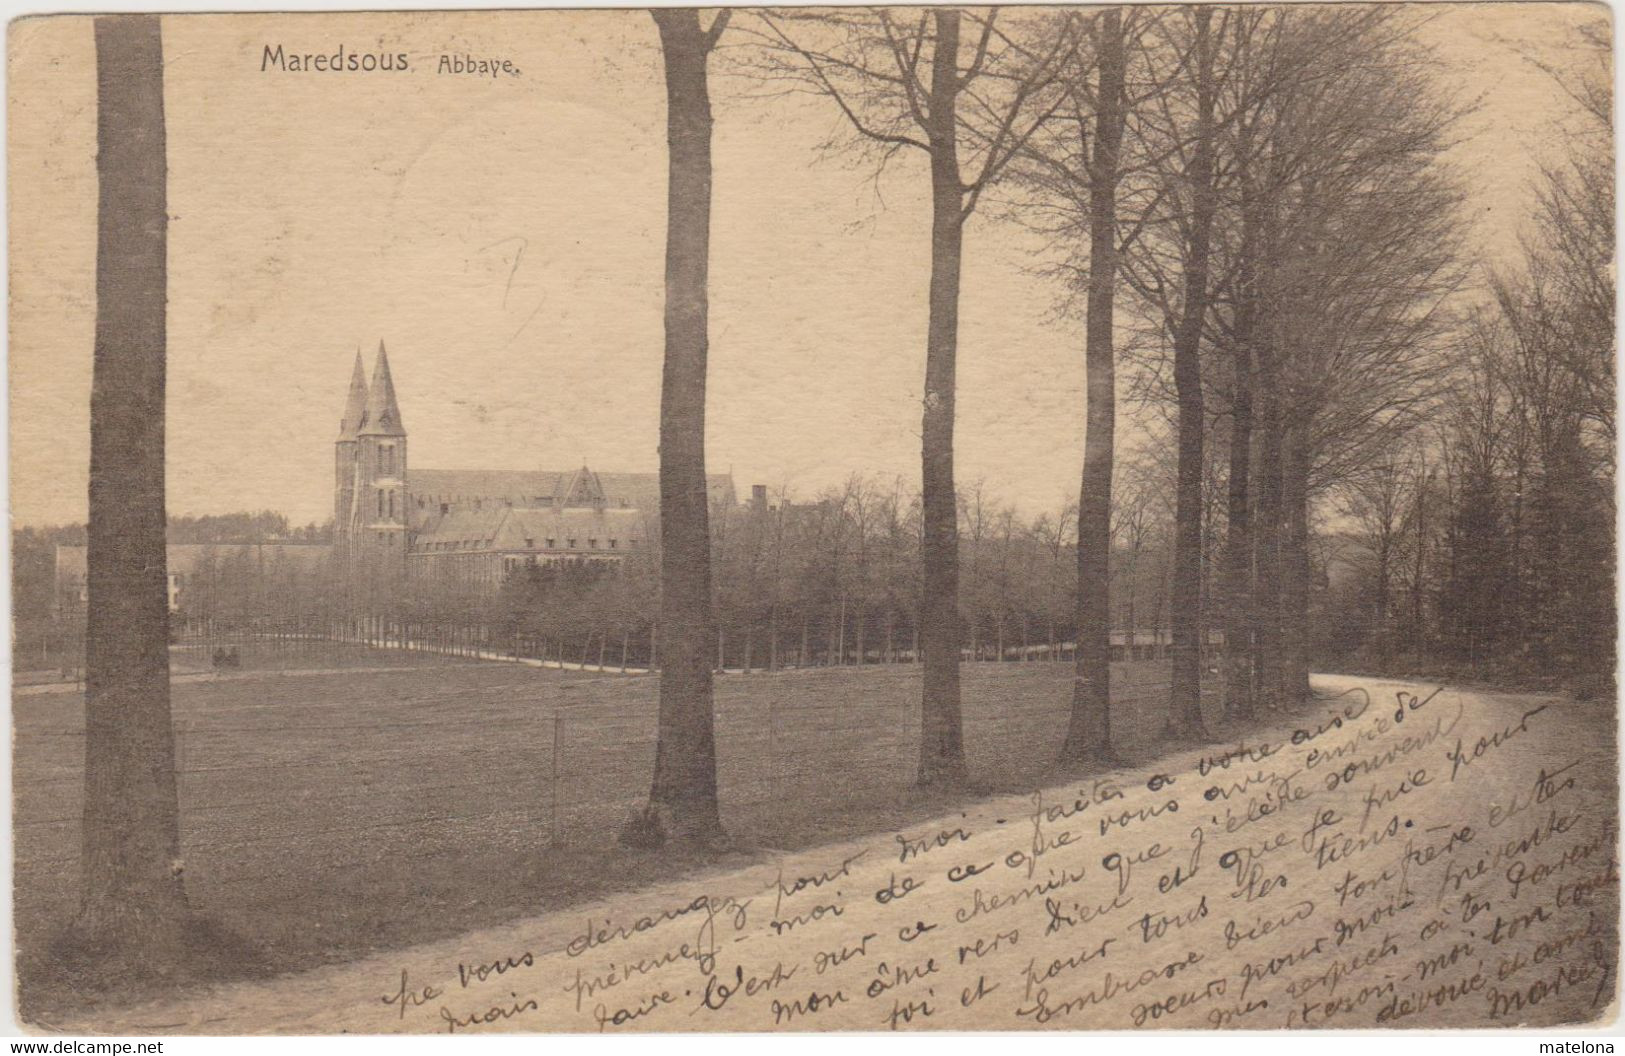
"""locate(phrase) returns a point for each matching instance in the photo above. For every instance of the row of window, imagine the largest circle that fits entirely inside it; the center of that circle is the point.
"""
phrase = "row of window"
(570, 544)
(510, 563)
(530, 544)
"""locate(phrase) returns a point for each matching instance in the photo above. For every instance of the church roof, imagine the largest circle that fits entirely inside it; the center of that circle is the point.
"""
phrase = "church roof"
(461, 528)
(522, 488)
(355, 406)
(383, 416)
(510, 528)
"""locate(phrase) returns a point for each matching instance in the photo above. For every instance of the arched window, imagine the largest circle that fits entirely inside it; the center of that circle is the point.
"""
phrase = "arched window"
(380, 502)
(392, 505)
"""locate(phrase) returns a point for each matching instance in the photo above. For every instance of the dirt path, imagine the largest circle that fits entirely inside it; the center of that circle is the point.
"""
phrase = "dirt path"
(1399, 855)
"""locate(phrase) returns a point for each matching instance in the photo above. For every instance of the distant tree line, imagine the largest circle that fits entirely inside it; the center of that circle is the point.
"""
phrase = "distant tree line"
(33, 552)
(833, 580)
(261, 527)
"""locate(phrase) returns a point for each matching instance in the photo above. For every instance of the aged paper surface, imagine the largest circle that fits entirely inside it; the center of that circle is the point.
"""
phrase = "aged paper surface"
(800, 520)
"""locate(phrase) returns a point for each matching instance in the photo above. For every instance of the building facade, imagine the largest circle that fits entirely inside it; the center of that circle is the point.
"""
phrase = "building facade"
(476, 525)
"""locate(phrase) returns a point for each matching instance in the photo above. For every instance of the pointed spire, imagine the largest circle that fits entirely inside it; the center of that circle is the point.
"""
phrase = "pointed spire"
(355, 405)
(383, 417)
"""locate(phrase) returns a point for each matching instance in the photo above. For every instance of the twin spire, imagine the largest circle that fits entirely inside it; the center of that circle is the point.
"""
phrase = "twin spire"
(355, 406)
(371, 410)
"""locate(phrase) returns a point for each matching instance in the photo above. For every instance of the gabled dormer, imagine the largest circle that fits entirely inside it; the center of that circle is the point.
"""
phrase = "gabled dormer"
(583, 488)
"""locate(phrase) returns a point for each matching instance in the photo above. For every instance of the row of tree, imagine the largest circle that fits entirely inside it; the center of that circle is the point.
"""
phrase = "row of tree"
(1484, 538)
(1265, 187)
(1262, 186)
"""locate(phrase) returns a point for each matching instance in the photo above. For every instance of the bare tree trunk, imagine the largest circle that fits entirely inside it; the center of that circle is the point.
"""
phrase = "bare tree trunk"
(1186, 715)
(1238, 670)
(1384, 561)
(683, 797)
(1419, 640)
(1088, 735)
(1267, 563)
(132, 896)
(1295, 569)
(942, 747)
(1133, 621)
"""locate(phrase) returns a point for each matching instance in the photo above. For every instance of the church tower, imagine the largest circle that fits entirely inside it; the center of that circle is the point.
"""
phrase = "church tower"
(345, 468)
(379, 524)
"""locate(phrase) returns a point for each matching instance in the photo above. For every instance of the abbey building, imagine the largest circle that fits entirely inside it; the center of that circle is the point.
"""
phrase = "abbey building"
(470, 525)
(475, 524)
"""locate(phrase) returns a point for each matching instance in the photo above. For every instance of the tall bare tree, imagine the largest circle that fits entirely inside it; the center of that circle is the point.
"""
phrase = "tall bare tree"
(907, 80)
(1369, 264)
(1573, 250)
(132, 892)
(683, 800)
(1239, 687)
(1088, 734)
(1186, 604)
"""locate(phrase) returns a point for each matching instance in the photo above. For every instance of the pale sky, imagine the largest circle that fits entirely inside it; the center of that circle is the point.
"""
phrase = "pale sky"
(505, 239)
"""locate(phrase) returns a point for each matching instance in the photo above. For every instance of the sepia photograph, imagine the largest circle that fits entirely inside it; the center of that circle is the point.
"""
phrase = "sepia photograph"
(802, 519)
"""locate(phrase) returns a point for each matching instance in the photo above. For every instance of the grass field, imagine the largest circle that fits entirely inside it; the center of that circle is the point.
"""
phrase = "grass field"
(329, 815)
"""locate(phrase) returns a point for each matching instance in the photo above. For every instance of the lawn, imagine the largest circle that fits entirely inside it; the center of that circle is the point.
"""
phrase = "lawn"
(325, 816)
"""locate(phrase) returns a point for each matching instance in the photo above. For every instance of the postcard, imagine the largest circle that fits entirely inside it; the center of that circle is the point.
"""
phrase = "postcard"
(814, 519)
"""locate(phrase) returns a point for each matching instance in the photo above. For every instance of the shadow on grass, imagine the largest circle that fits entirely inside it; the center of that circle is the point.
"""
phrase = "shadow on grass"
(76, 971)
